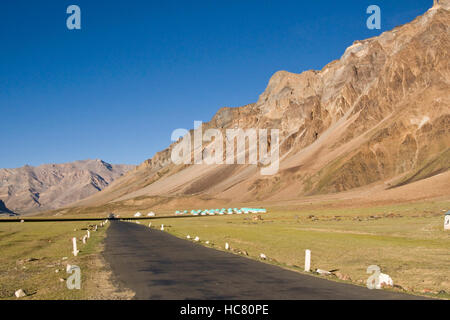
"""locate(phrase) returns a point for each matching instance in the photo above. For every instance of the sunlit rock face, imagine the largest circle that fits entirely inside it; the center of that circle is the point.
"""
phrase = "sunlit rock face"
(379, 114)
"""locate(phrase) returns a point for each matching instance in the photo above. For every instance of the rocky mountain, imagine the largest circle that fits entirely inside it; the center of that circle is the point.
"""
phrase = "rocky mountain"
(52, 186)
(379, 117)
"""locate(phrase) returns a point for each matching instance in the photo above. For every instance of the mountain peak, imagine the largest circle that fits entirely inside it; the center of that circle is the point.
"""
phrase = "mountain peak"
(441, 4)
(51, 186)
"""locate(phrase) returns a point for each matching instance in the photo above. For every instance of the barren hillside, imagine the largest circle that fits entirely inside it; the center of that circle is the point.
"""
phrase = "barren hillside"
(378, 118)
(52, 186)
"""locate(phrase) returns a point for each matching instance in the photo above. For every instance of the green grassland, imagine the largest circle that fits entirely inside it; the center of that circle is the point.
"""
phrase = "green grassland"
(406, 240)
(32, 258)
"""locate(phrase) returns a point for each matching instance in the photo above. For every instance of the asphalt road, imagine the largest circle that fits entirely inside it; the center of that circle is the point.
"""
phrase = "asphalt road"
(157, 265)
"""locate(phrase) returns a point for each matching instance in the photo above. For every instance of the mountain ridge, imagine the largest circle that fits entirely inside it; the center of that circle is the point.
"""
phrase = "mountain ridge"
(376, 116)
(51, 186)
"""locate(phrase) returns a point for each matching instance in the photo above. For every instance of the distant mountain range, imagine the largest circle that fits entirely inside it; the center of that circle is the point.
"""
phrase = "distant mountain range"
(52, 186)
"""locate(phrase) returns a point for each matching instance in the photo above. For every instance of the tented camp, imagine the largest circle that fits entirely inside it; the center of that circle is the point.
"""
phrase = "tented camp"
(222, 211)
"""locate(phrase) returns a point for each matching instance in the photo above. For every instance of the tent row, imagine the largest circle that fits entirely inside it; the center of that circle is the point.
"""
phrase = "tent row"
(150, 214)
(212, 212)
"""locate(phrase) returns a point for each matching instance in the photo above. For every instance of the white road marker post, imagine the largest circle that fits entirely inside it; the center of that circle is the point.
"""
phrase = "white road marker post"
(227, 246)
(84, 239)
(162, 227)
(307, 260)
(74, 242)
(88, 234)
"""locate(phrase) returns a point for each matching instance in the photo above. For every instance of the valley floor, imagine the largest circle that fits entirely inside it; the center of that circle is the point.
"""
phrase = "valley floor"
(34, 256)
(407, 241)
(157, 265)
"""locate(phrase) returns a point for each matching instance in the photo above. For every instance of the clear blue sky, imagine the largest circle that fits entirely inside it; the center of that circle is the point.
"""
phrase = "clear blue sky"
(137, 70)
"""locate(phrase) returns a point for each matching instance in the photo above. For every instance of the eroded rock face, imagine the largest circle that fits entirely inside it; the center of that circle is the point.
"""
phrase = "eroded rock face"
(51, 186)
(381, 112)
(442, 3)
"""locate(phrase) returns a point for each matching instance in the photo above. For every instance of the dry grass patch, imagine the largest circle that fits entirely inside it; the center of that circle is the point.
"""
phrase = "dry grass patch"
(407, 241)
(33, 259)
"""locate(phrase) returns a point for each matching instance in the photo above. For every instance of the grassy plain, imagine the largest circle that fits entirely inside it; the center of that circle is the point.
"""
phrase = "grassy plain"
(406, 240)
(34, 255)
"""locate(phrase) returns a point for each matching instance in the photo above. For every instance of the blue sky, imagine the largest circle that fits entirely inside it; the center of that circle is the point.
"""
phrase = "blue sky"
(137, 70)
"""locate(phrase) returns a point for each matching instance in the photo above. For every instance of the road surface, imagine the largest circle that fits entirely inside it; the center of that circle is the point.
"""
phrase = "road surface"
(157, 265)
